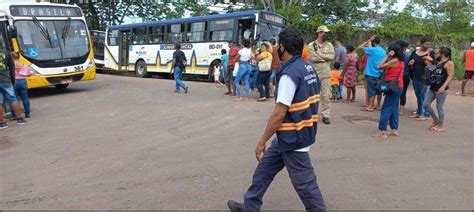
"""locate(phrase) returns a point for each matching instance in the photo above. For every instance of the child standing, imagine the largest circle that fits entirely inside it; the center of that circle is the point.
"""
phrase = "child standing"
(217, 75)
(335, 81)
(224, 63)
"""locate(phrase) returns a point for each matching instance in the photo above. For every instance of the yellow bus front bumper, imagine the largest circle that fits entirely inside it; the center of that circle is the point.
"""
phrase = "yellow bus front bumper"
(38, 81)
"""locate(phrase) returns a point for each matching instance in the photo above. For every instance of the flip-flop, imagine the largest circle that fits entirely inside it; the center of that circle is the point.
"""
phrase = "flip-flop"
(366, 109)
(380, 135)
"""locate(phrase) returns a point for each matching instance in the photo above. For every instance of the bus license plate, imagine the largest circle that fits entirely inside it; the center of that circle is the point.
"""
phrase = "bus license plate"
(66, 81)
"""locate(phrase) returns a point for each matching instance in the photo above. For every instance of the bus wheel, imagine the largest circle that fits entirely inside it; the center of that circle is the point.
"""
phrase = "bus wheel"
(61, 86)
(140, 69)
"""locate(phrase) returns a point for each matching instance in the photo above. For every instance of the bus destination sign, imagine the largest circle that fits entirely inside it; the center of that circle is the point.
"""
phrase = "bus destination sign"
(44, 11)
(273, 18)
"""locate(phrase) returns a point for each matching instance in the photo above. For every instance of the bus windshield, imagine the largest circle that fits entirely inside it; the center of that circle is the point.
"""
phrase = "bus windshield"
(3, 36)
(53, 40)
(267, 31)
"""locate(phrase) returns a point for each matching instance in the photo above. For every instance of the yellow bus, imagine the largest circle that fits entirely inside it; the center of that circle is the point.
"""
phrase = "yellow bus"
(52, 39)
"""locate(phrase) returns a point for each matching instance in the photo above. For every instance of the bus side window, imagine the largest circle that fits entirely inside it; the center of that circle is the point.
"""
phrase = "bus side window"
(156, 34)
(196, 32)
(175, 33)
(139, 36)
(221, 30)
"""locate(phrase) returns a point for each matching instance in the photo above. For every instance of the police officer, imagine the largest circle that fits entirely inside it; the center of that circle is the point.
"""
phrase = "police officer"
(294, 120)
(321, 53)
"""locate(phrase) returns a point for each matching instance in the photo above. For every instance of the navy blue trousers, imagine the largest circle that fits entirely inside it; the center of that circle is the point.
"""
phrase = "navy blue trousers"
(301, 174)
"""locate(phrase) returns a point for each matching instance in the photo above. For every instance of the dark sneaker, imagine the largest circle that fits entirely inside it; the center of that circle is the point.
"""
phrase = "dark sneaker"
(20, 121)
(3, 126)
(234, 206)
(27, 115)
(326, 121)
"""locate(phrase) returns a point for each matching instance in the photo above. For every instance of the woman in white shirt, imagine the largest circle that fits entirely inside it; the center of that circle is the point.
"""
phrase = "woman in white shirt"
(244, 70)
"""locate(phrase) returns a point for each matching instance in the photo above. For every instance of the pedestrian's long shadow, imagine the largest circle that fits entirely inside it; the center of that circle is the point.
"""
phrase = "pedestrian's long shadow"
(45, 92)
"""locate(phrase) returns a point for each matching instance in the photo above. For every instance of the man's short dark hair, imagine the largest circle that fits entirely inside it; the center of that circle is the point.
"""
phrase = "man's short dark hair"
(273, 41)
(223, 51)
(177, 45)
(292, 40)
(425, 39)
(376, 41)
(246, 43)
(337, 65)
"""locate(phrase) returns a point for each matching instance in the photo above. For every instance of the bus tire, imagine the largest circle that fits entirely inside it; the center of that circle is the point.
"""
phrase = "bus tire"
(141, 69)
(61, 86)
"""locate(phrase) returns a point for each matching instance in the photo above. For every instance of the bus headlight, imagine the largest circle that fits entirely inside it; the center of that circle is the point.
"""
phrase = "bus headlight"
(90, 64)
(34, 72)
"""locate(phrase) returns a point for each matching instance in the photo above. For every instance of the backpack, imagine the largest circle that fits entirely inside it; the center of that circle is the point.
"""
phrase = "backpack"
(434, 74)
(181, 59)
(3, 61)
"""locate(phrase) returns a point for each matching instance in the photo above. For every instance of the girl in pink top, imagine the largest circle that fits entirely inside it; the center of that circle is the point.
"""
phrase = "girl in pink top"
(22, 71)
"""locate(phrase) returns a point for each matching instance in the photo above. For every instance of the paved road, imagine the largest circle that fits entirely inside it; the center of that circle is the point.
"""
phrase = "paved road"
(129, 143)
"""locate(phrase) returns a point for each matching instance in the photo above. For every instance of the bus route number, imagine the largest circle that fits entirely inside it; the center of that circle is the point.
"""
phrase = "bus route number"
(214, 46)
(79, 68)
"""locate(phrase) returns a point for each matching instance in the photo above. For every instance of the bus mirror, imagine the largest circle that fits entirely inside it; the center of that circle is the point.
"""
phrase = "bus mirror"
(12, 32)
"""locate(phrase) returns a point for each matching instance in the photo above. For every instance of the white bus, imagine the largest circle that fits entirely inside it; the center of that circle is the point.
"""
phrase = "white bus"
(148, 47)
(52, 39)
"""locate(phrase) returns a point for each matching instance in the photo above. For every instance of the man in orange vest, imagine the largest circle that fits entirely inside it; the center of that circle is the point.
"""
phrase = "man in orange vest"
(468, 60)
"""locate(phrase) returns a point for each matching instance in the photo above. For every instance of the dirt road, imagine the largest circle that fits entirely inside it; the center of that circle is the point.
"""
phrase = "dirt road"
(129, 143)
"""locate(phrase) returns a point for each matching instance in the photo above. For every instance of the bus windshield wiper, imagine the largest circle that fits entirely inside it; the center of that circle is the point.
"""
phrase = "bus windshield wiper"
(271, 29)
(43, 31)
(65, 32)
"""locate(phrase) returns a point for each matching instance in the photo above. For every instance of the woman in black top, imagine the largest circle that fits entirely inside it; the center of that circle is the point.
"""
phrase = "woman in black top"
(418, 61)
(439, 89)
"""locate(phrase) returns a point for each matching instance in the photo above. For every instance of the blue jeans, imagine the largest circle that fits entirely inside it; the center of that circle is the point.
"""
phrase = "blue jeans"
(389, 112)
(178, 74)
(420, 97)
(254, 78)
(21, 90)
(7, 93)
(243, 74)
(301, 174)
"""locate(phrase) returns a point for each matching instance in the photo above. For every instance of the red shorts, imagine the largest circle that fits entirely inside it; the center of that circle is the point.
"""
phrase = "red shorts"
(468, 74)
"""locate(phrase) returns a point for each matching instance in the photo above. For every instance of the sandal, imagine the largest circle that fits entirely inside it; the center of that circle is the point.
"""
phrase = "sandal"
(434, 124)
(421, 119)
(366, 109)
(262, 99)
(346, 101)
(381, 135)
(438, 129)
(394, 133)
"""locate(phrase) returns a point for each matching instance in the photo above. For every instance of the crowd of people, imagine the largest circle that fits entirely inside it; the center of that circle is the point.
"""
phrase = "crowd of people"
(386, 73)
(339, 67)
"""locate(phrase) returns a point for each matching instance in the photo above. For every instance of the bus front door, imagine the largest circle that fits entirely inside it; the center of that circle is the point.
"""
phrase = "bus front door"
(124, 49)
